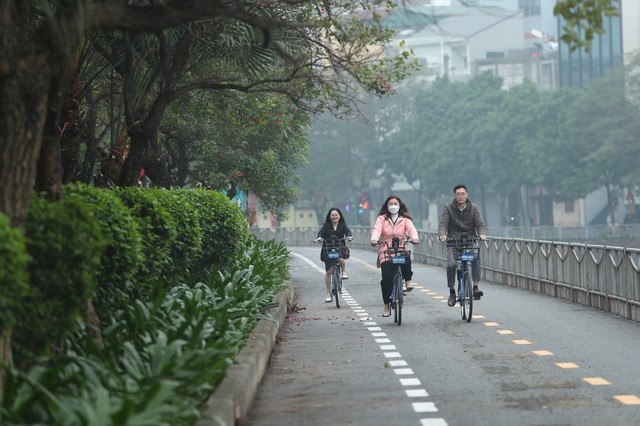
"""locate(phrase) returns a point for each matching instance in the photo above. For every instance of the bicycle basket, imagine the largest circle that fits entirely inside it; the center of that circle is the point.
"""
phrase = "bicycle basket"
(332, 249)
(468, 256)
(332, 254)
(397, 256)
(467, 253)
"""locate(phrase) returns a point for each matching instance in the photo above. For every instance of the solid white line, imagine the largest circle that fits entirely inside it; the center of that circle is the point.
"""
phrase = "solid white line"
(310, 262)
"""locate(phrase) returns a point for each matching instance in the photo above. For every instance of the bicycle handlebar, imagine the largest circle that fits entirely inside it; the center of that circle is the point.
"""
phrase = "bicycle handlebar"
(345, 238)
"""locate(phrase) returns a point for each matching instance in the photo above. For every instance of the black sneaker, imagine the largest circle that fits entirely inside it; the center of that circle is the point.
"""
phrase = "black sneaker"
(477, 294)
(452, 300)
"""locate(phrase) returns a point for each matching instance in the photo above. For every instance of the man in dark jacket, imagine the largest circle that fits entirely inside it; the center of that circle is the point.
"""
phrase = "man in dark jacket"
(459, 217)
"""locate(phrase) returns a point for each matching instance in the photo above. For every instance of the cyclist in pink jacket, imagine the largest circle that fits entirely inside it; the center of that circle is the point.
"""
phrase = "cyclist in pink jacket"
(393, 221)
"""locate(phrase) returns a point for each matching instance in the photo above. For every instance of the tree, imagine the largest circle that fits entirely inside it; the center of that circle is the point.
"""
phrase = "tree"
(603, 128)
(41, 41)
(584, 19)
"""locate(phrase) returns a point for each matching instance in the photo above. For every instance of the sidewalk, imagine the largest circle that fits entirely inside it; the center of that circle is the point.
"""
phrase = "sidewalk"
(232, 399)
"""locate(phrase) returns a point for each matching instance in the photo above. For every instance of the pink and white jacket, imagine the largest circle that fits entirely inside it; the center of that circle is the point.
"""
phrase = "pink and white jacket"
(384, 229)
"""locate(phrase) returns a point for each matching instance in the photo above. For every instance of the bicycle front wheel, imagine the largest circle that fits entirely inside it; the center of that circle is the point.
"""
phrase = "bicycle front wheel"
(397, 286)
(336, 279)
(468, 296)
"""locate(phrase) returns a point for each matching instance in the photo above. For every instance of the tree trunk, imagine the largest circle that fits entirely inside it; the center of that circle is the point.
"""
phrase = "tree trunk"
(89, 131)
(6, 358)
(24, 85)
(133, 161)
(156, 165)
(145, 151)
(71, 133)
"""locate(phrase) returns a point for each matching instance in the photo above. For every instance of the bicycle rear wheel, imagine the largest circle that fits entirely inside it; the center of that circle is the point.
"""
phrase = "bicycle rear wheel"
(462, 288)
(397, 297)
(468, 296)
(336, 284)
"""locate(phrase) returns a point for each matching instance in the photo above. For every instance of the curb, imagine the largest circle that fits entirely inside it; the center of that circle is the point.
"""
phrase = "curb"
(232, 398)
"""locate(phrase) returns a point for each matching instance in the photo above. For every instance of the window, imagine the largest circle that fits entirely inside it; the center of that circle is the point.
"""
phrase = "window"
(569, 206)
(529, 7)
(495, 55)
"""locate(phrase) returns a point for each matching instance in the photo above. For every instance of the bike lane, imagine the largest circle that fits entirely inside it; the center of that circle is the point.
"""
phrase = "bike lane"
(338, 366)
(525, 359)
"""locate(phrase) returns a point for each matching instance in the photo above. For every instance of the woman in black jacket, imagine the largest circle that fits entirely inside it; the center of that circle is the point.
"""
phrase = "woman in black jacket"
(334, 226)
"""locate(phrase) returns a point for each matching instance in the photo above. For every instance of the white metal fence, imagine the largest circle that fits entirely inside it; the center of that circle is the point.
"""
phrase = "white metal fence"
(599, 276)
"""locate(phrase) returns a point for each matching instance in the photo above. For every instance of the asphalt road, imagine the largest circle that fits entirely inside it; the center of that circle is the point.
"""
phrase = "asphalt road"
(524, 359)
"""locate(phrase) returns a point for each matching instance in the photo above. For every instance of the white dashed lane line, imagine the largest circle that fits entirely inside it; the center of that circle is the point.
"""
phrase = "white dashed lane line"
(394, 358)
(400, 366)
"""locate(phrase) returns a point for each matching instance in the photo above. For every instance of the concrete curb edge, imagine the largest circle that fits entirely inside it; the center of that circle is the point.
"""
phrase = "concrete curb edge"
(232, 399)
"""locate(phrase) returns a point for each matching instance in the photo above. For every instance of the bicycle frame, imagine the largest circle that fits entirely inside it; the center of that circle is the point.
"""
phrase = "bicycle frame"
(466, 251)
(333, 249)
(398, 255)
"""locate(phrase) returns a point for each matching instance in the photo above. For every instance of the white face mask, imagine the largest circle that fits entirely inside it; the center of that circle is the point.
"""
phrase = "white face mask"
(393, 209)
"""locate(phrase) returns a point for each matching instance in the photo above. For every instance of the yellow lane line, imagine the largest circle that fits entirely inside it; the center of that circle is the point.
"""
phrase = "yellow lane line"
(567, 365)
(596, 381)
(628, 399)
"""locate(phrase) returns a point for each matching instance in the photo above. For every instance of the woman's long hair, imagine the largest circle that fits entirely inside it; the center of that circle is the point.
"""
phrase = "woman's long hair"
(404, 212)
(328, 218)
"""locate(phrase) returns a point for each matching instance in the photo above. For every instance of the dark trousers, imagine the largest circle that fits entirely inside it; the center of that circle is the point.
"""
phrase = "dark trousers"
(452, 264)
(388, 271)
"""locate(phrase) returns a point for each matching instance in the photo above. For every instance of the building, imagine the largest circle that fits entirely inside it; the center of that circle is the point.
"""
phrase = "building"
(450, 40)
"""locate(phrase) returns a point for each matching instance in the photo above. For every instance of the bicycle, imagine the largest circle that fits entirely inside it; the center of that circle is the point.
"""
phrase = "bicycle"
(333, 250)
(466, 251)
(398, 255)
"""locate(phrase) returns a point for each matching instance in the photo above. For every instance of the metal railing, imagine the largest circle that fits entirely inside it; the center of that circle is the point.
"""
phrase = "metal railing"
(598, 276)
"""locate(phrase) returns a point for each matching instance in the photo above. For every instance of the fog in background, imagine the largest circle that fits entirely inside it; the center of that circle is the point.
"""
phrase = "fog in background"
(522, 152)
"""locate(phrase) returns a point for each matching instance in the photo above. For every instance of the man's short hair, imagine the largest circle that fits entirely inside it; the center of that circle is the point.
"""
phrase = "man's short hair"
(460, 186)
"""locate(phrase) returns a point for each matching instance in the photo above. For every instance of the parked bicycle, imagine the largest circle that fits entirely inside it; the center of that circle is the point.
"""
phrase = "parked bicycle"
(466, 250)
(334, 248)
(398, 254)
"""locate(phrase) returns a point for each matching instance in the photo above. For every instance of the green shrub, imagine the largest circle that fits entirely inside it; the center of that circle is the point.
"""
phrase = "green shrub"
(160, 360)
(158, 230)
(225, 231)
(65, 243)
(13, 273)
(123, 256)
(186, 249)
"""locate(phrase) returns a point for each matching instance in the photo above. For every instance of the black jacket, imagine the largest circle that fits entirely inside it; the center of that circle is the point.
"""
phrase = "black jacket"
(327, 232)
